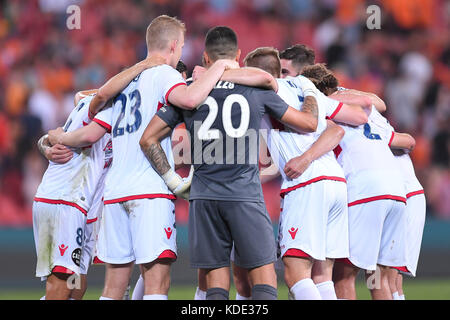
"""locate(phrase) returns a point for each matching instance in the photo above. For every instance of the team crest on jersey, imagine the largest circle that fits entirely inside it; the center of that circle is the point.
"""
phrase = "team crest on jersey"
(293, 232)
(76, 256)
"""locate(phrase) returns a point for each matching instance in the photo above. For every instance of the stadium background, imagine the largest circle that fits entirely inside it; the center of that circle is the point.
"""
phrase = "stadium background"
(43, 63)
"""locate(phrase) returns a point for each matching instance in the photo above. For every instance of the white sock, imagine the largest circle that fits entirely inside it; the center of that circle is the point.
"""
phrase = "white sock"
(239, 297)
(105, 298)
(402, 297)
(126, 295)
(138, 292)
(200, 294)
(326, 290)
(155, 297)
(43, 298)
(395, 296)
(305, 290)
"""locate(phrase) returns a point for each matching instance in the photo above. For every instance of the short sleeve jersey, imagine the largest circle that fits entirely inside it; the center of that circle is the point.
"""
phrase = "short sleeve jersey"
(224, 133)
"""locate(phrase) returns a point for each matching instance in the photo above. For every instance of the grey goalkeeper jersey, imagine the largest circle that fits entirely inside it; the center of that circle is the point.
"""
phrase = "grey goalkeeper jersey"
(224, 133)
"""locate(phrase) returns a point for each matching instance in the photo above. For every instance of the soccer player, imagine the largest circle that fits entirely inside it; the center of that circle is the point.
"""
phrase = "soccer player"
(64, 198)
(295, 58)
(401, 144)
(376, 198)
(313, 222)
(221, 214)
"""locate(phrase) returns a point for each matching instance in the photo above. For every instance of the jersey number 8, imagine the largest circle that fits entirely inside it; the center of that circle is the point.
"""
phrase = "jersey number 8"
(135, 95)
(206, 133)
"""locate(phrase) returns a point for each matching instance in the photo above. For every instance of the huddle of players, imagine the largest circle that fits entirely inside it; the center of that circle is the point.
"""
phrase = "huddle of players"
(137, 223)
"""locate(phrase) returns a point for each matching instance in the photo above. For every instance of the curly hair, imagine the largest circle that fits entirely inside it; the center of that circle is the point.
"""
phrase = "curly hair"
(322, 77)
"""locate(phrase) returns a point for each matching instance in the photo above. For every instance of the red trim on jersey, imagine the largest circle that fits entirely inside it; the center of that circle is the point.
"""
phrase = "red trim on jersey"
(337, 151)
(170, 90)
(97, 261)
(392, 138)
(402, 269)
(67, 203)
(103, 124)
(61, 269)
(414, 193)
(317, 179)
(336, 110)
(296, 253)
(160, 105)
(91, 220)
(382, 197)
(141, 196)
(91, 115)
(345, 261)
(167, 254)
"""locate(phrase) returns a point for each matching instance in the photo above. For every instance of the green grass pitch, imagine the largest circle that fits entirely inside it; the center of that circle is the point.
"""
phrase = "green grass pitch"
(415, 289)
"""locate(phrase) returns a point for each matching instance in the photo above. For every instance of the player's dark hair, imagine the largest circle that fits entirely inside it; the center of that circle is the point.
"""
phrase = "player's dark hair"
(181, 67)
(322, 77)
(300, 55)
(266, 58)
(221, 43)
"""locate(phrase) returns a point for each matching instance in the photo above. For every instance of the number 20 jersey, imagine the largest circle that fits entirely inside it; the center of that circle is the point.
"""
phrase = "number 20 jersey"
(131, 175)
(369, 165)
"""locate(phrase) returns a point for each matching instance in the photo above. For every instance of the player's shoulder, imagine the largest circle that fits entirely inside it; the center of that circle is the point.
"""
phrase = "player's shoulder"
(163, 69)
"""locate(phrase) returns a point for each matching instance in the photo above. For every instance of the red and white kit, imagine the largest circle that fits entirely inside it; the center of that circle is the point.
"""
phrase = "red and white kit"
(313, 221)
(376, 198)
(63, 200)
(415, 198)
(138, 221)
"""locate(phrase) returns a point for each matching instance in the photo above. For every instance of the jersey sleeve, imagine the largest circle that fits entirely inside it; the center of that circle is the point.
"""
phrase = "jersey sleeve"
(104, 118)
(332, 107)
(273, 104)
(384, 128)
(170, 115)
(172, 79)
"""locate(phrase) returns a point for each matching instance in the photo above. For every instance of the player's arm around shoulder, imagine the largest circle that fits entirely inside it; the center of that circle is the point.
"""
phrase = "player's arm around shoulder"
(58, 153)
(82, 137)
(355, 109)
(402, 141)
(252, 77)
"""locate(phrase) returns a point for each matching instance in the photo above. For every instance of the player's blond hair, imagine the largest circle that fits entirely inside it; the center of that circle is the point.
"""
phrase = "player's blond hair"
(162, 30)
(266, 58)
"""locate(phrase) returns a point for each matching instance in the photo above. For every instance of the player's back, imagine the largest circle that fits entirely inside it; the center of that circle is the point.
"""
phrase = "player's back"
(75, 181)
(131, 174)
(225, 141)
(368, 163)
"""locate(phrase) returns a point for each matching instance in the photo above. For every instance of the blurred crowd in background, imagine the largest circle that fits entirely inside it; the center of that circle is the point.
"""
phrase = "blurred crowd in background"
(43, 63)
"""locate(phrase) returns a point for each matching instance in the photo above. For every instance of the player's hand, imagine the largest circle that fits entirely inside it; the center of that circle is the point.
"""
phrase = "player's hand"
(58, 153)
(307, 86)
(197, 72)
(153, 61)
(178, 185)
(295, 167)
(229, 64)
(184, 188)
(54, 136)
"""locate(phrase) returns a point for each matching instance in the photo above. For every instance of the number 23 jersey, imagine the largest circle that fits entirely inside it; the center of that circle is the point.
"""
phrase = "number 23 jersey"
(131, 175)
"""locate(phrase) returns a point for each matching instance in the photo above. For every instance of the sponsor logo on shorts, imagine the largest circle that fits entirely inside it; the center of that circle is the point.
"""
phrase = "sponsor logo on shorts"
(168, 231)
(76, 255)
(293, 232)
(62, 249)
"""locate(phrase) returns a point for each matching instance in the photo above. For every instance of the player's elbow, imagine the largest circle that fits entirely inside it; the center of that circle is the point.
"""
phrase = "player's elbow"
(146, 141)
(311, 125)
(411, 142)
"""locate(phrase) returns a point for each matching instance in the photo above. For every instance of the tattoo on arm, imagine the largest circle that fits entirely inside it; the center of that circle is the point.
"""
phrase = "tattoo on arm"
(43, 144)
(157, 157)
(310, 106)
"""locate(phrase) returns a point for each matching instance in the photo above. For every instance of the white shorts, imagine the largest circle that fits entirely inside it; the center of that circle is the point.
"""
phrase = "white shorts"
(377, 234)
(59, 236)
(140, 230)
(91, 235)
(415, 217)
(314, 221)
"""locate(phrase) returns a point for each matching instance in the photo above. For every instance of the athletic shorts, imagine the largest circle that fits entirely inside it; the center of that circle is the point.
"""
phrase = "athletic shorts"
(415, 217)
(141, 230)
(59, 236)
(314, 221)
(90, 236)
(215, 225)
(377, 234)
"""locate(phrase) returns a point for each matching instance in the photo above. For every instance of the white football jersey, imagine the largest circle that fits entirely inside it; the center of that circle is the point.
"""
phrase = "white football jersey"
(75, 182)
(404, 162)
(131, 175)
(285, 143)
(369, 165)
